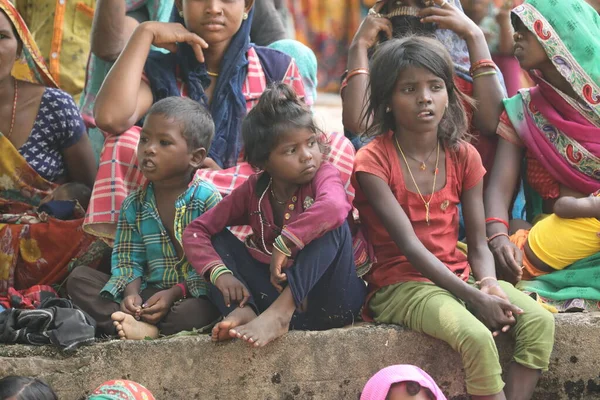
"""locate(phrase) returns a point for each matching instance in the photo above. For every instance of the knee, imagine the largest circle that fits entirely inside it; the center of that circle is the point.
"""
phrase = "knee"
(538, 323)
(476, 340)
(76, 278)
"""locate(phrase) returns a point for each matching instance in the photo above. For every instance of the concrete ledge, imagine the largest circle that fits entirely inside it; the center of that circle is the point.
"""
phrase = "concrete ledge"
(303, 365)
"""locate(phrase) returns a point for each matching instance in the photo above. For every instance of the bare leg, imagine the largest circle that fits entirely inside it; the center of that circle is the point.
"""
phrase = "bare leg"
(269, 325)
(128, 328)
(521, 381)
(239, 316)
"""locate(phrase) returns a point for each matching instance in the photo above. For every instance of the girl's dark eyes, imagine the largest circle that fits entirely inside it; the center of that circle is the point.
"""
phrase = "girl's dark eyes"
(164, 143)
(144, 139)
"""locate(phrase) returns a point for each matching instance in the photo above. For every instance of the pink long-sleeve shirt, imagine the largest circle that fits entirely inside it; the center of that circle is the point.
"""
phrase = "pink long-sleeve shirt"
(316, 208)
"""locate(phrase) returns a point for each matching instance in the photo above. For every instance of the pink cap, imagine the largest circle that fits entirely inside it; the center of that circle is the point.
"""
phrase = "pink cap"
(378, 387)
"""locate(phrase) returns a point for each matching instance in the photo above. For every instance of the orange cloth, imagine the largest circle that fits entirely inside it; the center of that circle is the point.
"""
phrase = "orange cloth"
(463, 171)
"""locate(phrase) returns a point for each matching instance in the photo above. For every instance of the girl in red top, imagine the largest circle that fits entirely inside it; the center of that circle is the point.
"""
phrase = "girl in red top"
(409, 181)
(296, 270)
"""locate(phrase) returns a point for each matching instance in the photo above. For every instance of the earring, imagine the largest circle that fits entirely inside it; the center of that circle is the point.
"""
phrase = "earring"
(245, 16)
(388, 109)
(181, 14)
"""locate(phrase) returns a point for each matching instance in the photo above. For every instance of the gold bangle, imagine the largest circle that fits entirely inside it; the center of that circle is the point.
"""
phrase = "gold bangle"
(486, 73)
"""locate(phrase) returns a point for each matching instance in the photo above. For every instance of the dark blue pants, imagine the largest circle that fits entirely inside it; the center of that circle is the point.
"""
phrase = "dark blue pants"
(323, 273)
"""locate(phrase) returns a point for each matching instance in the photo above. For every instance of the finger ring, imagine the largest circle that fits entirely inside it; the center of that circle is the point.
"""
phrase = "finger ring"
(374, 13)
(444, 3)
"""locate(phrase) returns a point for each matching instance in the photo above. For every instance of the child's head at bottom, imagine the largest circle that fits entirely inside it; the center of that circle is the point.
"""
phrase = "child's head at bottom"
(282, 138)
(24, 388)
(175, 139)
(412, 91)
(401, 382)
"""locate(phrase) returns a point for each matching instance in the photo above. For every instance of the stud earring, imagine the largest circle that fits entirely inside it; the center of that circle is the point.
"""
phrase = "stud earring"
(245, 16)
(181, 14)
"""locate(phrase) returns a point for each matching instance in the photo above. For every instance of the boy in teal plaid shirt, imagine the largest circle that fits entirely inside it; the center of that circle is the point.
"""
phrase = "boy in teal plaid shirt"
(152, 287)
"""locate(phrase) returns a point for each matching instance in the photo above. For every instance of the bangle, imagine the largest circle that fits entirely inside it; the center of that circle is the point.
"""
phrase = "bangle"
(353, 73)
(487, 278)
(280, 246)
(485, 63)
(183, 290)
(217, 271)
(495, 235)
(494, 219)
(479, 75)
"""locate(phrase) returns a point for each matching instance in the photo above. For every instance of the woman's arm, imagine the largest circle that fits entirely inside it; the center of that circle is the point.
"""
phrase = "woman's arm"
(571, 207)
(505, 41)
(487, 90)
(504, 178)
(111, 29)
(81, 162)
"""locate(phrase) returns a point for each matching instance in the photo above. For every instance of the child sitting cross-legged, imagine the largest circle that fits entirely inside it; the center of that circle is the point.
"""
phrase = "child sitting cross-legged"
(152, 287)
(296, 270)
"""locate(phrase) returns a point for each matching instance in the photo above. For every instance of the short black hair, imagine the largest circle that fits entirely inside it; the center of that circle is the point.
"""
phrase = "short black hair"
(25, 388)
(278, 111)
(197, 125)
(389, 60)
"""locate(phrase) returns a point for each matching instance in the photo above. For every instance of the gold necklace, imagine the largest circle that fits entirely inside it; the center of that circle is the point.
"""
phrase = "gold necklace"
(213, 74)
(423, 166)
(437, 160)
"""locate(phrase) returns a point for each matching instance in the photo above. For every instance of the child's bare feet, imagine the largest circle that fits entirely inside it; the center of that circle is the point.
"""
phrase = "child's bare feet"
(269, 325)
(237, 317)
(262, 330)
(129, 328)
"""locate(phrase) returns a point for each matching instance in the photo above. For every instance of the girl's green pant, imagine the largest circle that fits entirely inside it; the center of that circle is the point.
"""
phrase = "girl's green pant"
(427, 308)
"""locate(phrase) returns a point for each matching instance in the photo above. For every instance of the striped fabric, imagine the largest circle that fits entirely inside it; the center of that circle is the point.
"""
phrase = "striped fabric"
(143, 248)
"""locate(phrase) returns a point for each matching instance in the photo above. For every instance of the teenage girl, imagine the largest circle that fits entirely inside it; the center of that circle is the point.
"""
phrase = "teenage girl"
(409, 182)
(296, 270)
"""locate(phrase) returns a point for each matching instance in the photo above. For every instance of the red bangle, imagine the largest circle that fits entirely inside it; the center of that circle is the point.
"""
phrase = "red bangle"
(481, 64)
(357, 71)
(183, 290)
(495, 235)
(494, 219)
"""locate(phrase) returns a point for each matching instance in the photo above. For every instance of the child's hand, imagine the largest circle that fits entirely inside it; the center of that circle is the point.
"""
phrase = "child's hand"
(368, 32)
(157, 306)
(132, 305)
(233, 290)
(494, 289)
(278, 262)
(496, 313)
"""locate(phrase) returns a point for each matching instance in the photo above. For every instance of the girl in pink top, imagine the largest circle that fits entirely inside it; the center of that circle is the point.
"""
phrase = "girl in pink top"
(401, 382)
(296, 270)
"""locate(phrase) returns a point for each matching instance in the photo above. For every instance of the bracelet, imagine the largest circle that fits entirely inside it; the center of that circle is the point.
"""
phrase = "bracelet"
(481, 64)
(487, 278)
(495, 235)
(494, 219)
(353, 73)
(280, 246)
(479, 75)
(183, 289)
(217, 272)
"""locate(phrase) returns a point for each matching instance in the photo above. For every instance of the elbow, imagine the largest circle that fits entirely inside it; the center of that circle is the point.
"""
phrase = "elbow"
(105, 54)
(561, 207)
(109, 121)
(351, 124)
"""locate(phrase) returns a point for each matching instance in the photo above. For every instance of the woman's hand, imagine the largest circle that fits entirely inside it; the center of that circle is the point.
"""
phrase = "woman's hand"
(367, 35)
(508, 257)
(278, 262)
(232, 290)
(495, 312)
(449, 17)
(167, 34)
(157, 306)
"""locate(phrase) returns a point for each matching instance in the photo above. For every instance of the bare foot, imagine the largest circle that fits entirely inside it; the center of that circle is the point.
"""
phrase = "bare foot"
(129, 328)
(265, 328)
(237, 317)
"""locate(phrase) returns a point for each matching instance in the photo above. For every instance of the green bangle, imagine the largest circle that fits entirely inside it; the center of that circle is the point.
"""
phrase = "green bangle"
(222, 272)
(486, 73)
(280, 246)
(215, 271)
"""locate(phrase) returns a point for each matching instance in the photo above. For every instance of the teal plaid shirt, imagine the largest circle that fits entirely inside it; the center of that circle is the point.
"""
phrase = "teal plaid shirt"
(143, 248)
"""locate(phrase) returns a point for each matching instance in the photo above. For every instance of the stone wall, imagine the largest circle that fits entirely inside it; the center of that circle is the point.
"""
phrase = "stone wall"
(303, 365)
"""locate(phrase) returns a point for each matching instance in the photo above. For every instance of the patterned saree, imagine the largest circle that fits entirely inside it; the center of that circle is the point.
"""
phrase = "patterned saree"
(33, 251)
